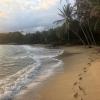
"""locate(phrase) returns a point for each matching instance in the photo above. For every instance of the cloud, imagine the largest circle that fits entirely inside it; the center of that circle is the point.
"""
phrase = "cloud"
(26, 13)
(45, 4)
(2, 14)
(24, 4)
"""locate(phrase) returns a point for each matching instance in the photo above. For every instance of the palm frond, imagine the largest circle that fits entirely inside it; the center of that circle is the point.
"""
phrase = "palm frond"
(61, 15)
(62, 12)
(66, 13)
(59, 21)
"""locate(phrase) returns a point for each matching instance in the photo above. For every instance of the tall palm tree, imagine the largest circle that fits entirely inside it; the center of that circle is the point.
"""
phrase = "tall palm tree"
(67, 14)
(83, 12)
(95, 12)
(86, 9)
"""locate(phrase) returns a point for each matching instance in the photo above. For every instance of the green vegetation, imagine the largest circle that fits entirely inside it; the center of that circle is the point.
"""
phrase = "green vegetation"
(79, 24)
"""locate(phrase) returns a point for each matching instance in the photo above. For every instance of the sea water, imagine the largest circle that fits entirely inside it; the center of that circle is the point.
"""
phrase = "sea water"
(22, 65)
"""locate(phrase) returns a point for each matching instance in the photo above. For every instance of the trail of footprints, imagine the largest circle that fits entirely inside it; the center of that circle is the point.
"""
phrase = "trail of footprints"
(79, 91)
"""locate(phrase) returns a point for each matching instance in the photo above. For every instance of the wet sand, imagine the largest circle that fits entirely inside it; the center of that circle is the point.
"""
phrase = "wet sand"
(79, 79)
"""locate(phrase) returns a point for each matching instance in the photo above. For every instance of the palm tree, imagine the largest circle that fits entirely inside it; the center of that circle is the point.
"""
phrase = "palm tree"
(67, 14)
(83, 14)
(86, 10)
(95, 12)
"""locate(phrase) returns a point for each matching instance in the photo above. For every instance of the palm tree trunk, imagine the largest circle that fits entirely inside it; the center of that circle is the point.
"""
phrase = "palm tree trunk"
(67, 30)
(96, 24)
(68, 33)
(89, 36)
(80, 38)
(85, 35)
(91, 33)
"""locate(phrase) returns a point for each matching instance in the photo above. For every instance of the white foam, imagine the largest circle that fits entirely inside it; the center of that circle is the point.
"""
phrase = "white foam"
(44, 67)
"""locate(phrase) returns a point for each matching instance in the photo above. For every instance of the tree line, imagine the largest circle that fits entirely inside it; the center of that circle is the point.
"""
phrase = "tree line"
(79, 24)
(84, 16)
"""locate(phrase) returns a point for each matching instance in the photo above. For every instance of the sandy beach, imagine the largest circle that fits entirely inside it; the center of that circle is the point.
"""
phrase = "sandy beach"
(79, 79)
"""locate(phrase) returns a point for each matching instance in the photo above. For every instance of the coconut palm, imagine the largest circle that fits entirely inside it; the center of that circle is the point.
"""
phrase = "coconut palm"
(84, 9)
(95, 13)
(67, 14)
(67, 20)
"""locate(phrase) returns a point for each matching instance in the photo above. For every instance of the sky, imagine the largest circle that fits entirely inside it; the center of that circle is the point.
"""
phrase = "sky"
(27, 15)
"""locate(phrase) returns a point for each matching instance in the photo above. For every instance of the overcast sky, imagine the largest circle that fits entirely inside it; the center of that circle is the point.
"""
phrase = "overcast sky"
(25, 14)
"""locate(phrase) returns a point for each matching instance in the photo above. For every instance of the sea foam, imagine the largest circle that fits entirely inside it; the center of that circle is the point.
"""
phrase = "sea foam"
(44, 66)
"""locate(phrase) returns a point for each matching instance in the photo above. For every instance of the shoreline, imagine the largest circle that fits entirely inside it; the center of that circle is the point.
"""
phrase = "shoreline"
(73, 82)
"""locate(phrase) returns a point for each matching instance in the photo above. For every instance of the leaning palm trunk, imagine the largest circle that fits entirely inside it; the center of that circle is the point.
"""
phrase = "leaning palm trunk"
(94, 42)
(88, 35)
(80, 38)
(85, 35)
(96, 24)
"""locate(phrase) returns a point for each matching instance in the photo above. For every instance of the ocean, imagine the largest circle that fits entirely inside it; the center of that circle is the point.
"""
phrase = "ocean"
(22, 65)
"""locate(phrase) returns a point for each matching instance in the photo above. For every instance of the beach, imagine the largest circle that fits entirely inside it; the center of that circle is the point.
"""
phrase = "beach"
(78, 80)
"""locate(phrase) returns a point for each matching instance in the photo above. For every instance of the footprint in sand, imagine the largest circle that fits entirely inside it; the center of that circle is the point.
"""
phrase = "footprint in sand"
(79, 75)
(81, 98)
(89, 64)
(85, 69)
(75, 83)
(91, 59)
(75, 86)
(75, 95)
(80, 78)
(81, 89)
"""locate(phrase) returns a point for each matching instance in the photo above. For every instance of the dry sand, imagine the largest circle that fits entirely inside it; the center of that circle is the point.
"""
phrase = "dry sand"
(78, 81)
